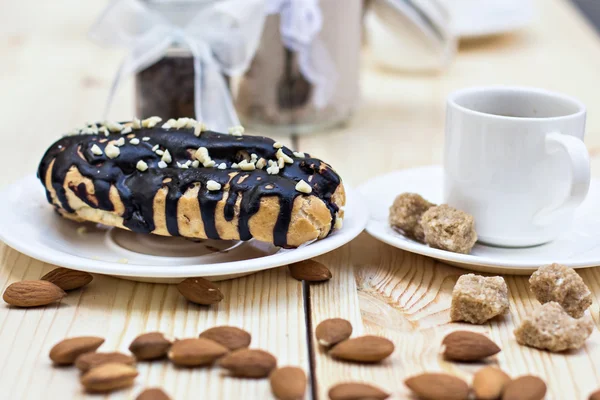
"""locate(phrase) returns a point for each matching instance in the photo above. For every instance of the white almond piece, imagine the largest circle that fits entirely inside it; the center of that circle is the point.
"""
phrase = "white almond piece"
(167, 157)
(145, 138)
(260, 164)
(136, 123)
(339, 222)
(181, 123)
(234, 166)
(299, 154)
(113, 126)
(162, 164)
(141, 165)
(155, 147)
(280, 163)
(135, 141)
(151, 122)
(237, 130)
(191, 123)
(112, 151)
(126, 130)
(209, 163)
(273, 170)
(213, 185)
(201, 154)
(195, 164)
(277, 145)
(222, 166)
(120, 142)
(159, 152)
(96, 150)
(199, 128)
(286, 158)
(246, 166)
(166, 125)
(303, 187)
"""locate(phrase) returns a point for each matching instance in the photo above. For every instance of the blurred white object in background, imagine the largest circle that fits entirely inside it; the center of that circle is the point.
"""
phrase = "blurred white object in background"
(476, 18)
(410, 35)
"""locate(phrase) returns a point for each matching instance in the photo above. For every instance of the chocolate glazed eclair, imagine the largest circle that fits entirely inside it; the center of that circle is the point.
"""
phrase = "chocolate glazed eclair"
(179, 179)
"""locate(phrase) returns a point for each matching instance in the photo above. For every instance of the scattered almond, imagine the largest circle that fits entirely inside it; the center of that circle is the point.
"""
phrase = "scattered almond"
(468, 346)
(288, 383)
(68, 279)
(153, 394)
(437, 386)
(525, 387)
(229, 336)
(66, 351)
(87, 361)
(32, 293)
(195, 352)
(109, 377)
(200, 291)
(310, 271)
(356, 391)
(249, 363)
(150, 346)
(367, 349)
(332, 331)
(595, 395)
(489, 383)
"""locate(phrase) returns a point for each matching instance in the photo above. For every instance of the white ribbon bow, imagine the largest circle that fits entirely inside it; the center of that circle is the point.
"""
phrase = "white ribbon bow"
(300, 24)
(222, 38)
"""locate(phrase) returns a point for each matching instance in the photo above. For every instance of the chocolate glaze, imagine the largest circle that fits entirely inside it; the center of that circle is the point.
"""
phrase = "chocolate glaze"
(137, 189)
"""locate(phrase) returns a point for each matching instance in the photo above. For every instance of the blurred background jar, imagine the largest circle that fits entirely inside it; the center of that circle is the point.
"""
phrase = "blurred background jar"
(305, 74)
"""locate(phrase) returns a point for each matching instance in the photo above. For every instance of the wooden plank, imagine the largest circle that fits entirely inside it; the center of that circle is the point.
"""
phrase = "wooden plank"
(268, 304)
(406, 297)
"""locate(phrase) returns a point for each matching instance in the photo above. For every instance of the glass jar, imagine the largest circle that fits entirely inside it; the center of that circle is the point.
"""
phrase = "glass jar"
(274, 94)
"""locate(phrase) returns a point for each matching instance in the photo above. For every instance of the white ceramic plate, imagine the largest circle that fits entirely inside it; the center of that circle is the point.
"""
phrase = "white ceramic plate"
(477, 18)
(578, 247)
(29, 225)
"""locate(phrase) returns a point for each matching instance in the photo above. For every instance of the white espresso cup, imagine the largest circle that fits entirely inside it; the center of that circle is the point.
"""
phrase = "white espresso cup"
(515, 160)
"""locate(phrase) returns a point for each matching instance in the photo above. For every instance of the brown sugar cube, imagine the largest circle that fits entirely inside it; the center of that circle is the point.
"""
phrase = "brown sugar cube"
(449, 229)
(563, 285)
(551, 328)
(476, 298)
(406, 213)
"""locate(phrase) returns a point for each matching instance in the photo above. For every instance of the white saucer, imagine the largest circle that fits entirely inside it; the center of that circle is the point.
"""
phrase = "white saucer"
(29, 225)
(578, 247)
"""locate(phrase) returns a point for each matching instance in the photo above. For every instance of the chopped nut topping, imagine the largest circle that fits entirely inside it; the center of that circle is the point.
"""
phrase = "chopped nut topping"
(299, 154)
(135, 141)
(191, 123)
(113, 126)
(136, 123)
(199, 128)
(155, 147)
(273, 170)
(184, 166)
(162, 164)
(260, 164)
(126, 130)
(195, 163)
(151, 122)
(103, 129)
(201, 154)
(213, 185)
(159, 152)
(166, 125)
(280, 163)
(222, 166)
(303, 187)
(167, 157)
(145, 138)
(246, 166)
(277, 145)
(181, 123)
(208, 163)
(237, 130)
(112, 151)
(286, 158)
(253, 157)
(234, 166)
(94, 129)
(96, 150)
(141, 165)
(120, 142)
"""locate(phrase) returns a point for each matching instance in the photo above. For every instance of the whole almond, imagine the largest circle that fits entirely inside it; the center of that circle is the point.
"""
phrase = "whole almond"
(468, 346)
(249, 363)
(195, 352)
(332, 331)
(87, 361)
(153, 394)
(489, 383)
(525, 387)
(32, 293)
(438, 386)
(367, 349)
(66, 351)
(356, 391)
(595, 395)
(150, 346)
(68, 279)
(229, 336)
(310, 271)
(109, 377)
(200, 291)
(288, 383)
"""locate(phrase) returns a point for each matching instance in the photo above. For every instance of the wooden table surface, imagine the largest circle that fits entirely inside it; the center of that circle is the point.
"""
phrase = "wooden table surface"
(52, 79)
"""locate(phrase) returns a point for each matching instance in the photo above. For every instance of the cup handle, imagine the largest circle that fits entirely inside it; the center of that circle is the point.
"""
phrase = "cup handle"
(579, 162)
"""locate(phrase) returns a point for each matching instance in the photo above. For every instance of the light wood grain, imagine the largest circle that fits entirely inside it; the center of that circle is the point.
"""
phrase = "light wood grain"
(406, 297)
